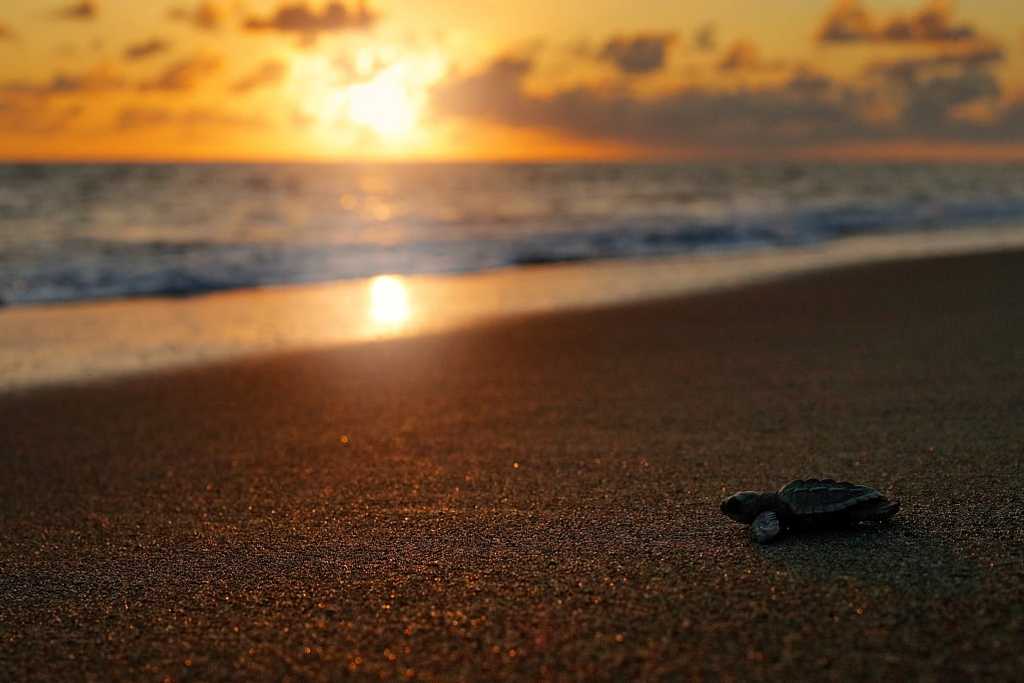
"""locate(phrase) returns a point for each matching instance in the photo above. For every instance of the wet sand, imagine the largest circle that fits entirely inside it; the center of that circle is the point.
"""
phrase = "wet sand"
(88, 340)
(538, 498)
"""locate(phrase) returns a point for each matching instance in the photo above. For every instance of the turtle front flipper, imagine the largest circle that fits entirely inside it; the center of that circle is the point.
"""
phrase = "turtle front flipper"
(765, 527)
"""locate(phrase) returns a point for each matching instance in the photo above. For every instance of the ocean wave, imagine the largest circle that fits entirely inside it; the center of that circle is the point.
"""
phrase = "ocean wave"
(72, 233)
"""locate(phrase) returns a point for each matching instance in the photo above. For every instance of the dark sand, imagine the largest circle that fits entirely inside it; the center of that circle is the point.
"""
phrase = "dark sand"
(539, 498)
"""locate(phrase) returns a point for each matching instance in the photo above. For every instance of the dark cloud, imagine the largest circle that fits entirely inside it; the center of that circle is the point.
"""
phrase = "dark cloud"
(849, 22)
(1013, 116)
(98, 79)
(179, 76)
(146, 49)
(484, 94)
(269, 73)
(133, 118)
(35, 118)
(207, 16)
(184, 74)
(933, 88)
(82, 11)
(306, 22)
(933, 23)
(912, 69)
(705, 38)
(807, 82)
(683, 117)
(742, 56)
(933, 101)
(639, 54)
(804, 110)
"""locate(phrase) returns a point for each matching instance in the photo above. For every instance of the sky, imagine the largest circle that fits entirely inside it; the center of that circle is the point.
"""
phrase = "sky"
(504, 80)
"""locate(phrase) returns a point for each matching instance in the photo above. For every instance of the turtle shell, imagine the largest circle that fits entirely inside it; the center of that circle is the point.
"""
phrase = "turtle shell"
(825, 496)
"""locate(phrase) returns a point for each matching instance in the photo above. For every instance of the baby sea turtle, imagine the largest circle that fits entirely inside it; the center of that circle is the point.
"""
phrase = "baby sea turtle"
(807, 504)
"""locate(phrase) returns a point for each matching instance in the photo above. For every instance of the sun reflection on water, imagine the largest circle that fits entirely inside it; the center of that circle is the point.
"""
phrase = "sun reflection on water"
(389, 301)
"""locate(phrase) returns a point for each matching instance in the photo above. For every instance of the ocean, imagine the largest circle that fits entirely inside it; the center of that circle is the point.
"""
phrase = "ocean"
(79, 232)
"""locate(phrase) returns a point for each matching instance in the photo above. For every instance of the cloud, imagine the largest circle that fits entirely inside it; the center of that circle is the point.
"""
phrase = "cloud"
(134, 118)
(179, 76)
(33, 118)
(807, 109)
(486, 93)
(304, 21)
(849, 22)
(933, 88)
(98, 79)
(807, 82)
(146, 49)
(912, 69)
(6, 33)
(212, 117)
(742, 56)
(705, 38)
(269, 73)
(932, 23)
(679, 118)
(932, 102)
(639, 54)
(184, 74)
(142, 117)
(207, 15)
(81, 11)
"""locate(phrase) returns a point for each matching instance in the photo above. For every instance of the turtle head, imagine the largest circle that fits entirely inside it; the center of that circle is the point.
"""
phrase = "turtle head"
(742, 507)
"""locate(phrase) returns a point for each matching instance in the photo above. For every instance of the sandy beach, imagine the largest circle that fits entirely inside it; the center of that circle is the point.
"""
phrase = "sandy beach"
(537, 498)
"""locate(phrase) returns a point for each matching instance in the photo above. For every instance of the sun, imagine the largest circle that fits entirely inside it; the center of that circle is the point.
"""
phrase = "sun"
(385, 91)
(389, 104)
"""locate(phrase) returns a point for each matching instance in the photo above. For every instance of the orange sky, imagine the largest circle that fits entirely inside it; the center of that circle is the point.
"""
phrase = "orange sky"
(449, 79)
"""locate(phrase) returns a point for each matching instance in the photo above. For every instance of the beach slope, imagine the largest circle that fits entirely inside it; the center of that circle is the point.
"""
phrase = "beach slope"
(538, 497)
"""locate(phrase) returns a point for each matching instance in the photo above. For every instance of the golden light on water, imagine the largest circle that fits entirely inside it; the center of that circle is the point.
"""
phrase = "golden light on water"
(389, 301)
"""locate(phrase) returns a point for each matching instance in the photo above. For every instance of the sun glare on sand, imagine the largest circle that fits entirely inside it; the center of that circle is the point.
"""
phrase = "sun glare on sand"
(389, 300)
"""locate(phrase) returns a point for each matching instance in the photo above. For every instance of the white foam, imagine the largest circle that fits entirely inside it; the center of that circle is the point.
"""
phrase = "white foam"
(72, 342)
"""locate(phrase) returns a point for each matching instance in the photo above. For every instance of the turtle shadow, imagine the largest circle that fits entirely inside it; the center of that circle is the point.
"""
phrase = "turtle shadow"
(898, 554)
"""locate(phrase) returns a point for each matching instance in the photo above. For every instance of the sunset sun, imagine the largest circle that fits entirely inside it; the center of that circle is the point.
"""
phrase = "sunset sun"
(383, 91)
(389, 104)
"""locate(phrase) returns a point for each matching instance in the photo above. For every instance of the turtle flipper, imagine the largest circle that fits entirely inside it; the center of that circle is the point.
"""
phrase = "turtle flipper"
(765, 527)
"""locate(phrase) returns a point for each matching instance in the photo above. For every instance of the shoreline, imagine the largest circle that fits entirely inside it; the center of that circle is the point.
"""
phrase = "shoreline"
(537, 498)
(51, 344)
